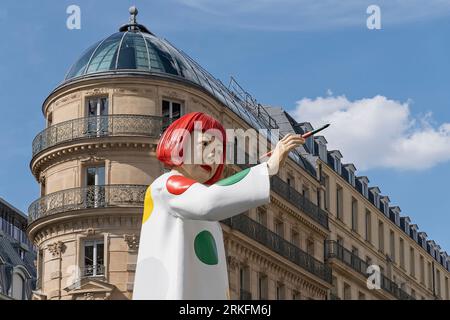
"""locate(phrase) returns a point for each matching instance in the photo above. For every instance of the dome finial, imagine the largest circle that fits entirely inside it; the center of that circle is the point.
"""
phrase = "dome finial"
(133, 12)
(132, 25)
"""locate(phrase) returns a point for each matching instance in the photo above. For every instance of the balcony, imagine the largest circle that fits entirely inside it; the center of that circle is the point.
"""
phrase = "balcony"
(298, 200)
(97, 127)
(93, 271)
(279, 245)
(106, 196)
(335, 250)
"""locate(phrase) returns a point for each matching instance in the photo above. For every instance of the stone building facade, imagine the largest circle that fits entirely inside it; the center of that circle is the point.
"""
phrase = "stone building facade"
(96, 157)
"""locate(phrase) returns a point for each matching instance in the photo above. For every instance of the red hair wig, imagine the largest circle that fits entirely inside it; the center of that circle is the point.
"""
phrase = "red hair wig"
(172, 139)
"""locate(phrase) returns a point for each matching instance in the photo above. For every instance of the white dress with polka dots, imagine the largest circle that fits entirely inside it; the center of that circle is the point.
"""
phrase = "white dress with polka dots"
(181, 251)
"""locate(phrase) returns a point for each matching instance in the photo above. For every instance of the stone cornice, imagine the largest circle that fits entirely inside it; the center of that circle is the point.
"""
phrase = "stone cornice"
(78, 223)
(62, 153)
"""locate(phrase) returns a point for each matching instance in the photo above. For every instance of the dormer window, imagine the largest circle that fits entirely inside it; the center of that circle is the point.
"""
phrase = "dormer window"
(322, 147)
(334, 157)
(350, 170)
(365, 190)
(351, 178)
(337, 165)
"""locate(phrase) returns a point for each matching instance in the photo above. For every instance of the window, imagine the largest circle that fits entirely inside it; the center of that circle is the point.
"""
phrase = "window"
(368, 261)
(392, 245)
(261, 216)
(95, 176)
(422, 270)
(334, 289)
(18, 286)
(339, 203)
(337, 165)
(262, 287)
(93, 258)
(97, 108)
(438, 283)
(290, 181)
(412, 262)
(351, 177)
(347, 292)
(310, 246)
(279, 227)
(365, 189)
(381, 236)
(95, 186)
(361, 296)
(171, 110)
(244, 282)
(327, 192)
(354, 258)
(430, 276)
(354, 214)
(295, 238)
(280, 291)
(40, 269)
(296, 295)
(305, 192)
(413, 293)
(21, 253)
(447, 290)
(368, 226)
(402, 254)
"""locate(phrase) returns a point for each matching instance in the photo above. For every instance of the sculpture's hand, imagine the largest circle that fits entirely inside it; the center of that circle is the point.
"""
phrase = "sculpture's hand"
(281, 151)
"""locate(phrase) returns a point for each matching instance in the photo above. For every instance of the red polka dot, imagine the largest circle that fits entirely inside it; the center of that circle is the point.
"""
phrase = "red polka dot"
(178, 184)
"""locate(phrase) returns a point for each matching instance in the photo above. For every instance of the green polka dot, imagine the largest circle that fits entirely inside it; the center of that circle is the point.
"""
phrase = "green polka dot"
(205, 248)
(234, 178)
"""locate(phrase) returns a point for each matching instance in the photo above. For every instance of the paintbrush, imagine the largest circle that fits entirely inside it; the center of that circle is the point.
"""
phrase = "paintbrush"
(304, 136)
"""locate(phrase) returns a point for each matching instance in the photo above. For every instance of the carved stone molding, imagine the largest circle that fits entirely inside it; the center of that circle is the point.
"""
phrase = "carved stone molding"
(132, 241)
(89, 232)
(92, 158)
(57, 248)
(233, 262)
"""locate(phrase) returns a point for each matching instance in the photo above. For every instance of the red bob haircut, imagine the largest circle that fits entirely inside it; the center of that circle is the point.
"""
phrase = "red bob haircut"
(172, 138)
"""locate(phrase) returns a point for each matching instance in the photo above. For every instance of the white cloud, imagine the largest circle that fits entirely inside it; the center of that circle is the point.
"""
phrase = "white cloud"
(378, 132)
(312, 14)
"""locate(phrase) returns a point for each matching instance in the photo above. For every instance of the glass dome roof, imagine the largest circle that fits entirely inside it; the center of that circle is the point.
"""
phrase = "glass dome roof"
(127, 50)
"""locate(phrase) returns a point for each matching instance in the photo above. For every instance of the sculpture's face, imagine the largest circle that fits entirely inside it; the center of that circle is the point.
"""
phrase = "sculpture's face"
(205, 157)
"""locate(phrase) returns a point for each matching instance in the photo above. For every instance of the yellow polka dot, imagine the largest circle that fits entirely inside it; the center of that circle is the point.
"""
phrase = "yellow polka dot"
(148, 205)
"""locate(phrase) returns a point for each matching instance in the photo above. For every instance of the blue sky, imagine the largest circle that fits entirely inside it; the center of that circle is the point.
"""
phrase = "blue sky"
(314, 58)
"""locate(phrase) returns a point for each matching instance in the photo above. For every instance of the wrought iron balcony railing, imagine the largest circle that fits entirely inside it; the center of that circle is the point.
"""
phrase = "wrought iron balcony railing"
(298, 200)
(276, 243)
(99, 126)
(335, 250)
(93, 271)
(245, 295)
(85, 198)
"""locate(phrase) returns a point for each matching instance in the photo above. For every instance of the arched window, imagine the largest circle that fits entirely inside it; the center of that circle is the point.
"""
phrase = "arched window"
(19, 283)
(18, 286)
